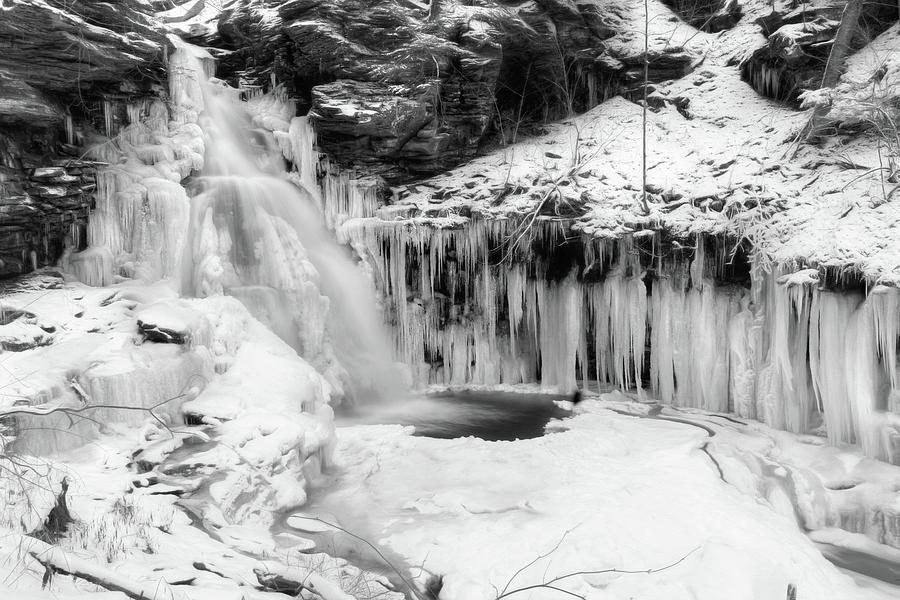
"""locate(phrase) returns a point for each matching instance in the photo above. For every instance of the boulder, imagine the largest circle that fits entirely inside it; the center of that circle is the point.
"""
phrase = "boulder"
(22, 103)
(60, 46)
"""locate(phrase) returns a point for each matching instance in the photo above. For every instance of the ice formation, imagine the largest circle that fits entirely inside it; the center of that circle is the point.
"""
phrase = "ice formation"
(471, 300)
(246, 229)
(466, 308)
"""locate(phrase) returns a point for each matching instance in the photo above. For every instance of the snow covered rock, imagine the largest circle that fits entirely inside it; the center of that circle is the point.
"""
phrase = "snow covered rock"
(173, 323)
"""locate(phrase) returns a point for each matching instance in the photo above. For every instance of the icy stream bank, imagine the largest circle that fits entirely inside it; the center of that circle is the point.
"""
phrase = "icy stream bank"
(632, 494)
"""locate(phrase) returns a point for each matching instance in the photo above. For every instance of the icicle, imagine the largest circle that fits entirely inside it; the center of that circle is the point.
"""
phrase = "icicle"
(345, 198)
(94, 266)
(689, 357)
(885, 304)
(783, 387)
(847, 337)
(591, 83)
(828, 350)
(70, 128)
(619, 308)
(134, 111)
(108, 118)
(865, 380)
(560, 311)
(667, 314)
(302, 150)
(515, 299)
(742, 364)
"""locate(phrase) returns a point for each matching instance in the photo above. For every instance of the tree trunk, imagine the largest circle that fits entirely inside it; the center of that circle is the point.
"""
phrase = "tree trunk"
(435, 12)
(57, 560)
(836, 59)
(842, 41)
(644, 206)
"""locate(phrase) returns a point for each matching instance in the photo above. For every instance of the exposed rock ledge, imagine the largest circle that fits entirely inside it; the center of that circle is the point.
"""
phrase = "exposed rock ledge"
(397, 95)
(64, 67)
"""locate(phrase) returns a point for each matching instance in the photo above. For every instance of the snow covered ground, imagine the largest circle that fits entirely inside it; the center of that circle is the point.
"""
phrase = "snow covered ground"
(105, 400)
(602, 491)
(191, 510)
(608, 505)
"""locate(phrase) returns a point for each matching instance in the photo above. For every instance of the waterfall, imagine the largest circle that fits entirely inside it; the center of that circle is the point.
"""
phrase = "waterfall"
(249, 228)
(257, 236)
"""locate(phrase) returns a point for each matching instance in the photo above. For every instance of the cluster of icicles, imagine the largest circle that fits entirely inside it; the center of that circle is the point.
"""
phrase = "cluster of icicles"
(783, 352)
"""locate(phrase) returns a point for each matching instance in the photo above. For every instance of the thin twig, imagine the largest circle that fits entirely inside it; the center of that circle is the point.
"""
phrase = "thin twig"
(413, 589)
(550, 583)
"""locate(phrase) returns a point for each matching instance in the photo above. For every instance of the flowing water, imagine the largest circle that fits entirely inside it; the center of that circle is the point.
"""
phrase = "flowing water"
(257, 236)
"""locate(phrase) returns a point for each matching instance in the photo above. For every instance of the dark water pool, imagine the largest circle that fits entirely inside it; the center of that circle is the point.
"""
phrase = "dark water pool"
(860, 562)
(489, 415)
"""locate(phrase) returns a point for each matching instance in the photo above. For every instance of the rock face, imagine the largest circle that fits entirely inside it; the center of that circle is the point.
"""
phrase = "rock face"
(63, 67)
(799, 37)
(41, 207)
(708, 15)
(64, 50)
(397, 94)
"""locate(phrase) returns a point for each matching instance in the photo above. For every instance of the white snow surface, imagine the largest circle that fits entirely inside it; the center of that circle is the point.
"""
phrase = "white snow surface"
(267, 430)
(603, 491)
(633, 494)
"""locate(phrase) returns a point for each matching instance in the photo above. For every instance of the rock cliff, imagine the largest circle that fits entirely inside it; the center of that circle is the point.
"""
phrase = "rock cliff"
(396, 93)
(65, 67)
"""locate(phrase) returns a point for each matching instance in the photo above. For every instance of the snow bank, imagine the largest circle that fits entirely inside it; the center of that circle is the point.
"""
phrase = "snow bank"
(606, 492)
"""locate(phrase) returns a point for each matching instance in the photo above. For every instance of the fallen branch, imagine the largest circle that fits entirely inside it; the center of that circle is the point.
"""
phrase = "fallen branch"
(57, 560)
(283, 579)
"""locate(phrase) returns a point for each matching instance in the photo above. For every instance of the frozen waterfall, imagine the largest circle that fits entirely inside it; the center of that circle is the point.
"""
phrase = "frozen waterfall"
(249, 228)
